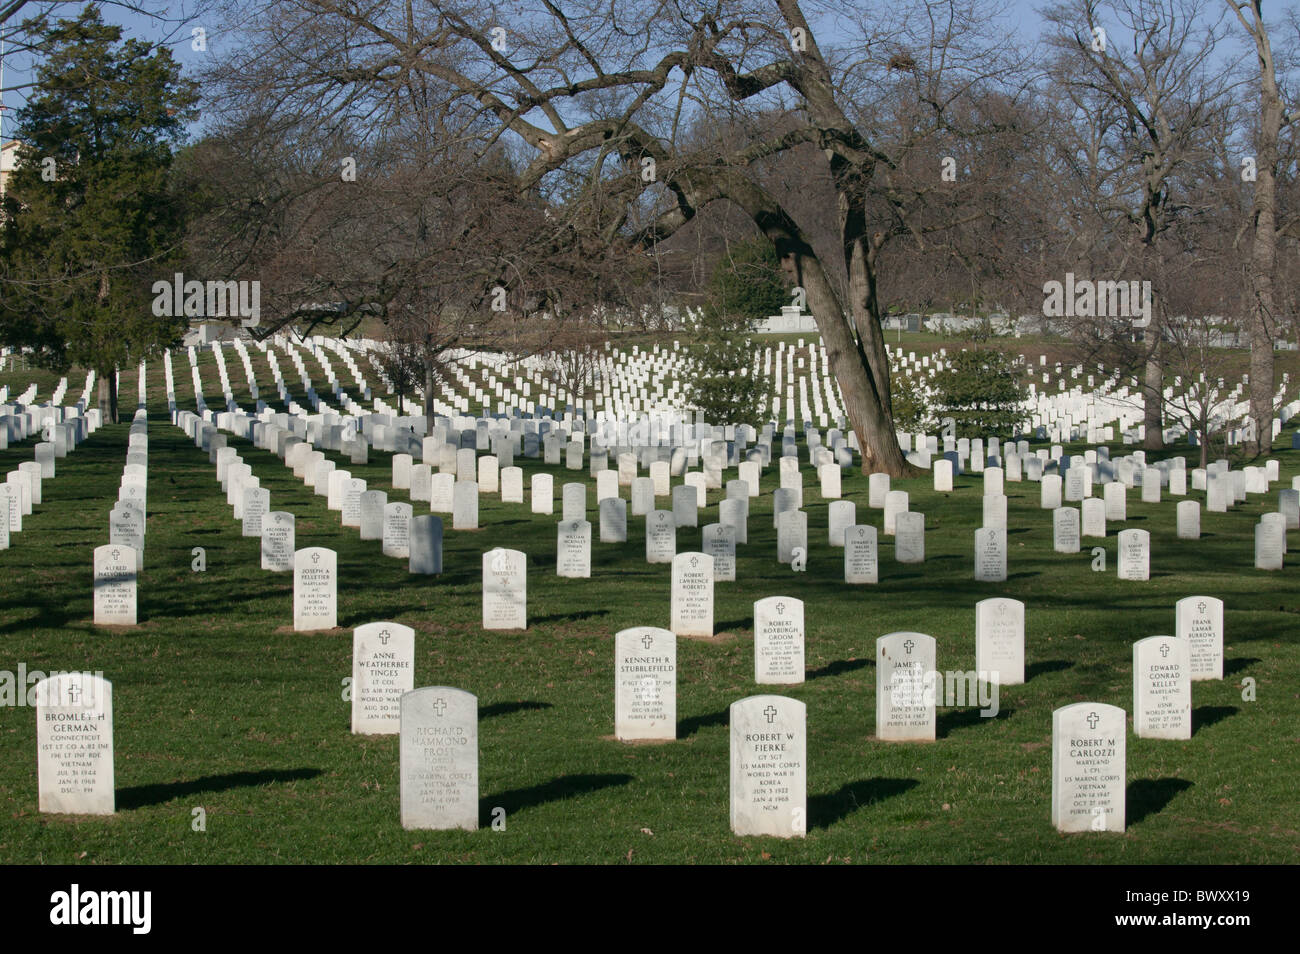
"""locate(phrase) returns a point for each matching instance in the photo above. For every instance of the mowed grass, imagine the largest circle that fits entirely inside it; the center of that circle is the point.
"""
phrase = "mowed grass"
(219, 705)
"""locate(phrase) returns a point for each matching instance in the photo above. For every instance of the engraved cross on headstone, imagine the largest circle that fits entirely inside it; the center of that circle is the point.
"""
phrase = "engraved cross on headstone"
(315, 558)
(1164, 650)
(439, 705)
(384, 637)
(770, 712)
(909, 646)
(74, 691)
(647, 641)
(1093, 719)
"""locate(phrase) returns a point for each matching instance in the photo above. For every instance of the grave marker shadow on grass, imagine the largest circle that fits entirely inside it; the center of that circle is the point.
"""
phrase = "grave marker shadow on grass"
(142, 796)
(826, 810)
(557, 789)
(1149, 796)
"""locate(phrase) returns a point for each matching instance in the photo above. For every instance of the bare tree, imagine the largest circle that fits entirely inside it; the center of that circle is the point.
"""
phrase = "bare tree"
(1273, 116)
(1145, 86)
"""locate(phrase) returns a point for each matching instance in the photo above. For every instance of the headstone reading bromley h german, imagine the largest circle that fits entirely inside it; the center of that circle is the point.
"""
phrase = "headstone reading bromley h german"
(645, 684)
(1162, 689)
(74, 744)
(439, 759)
(383, 668)
(505, 589)
(1088, 767)
(315, 589)
(692, 594)
(769, 767)
(1199, 621)
(905, 691)
(778, 641)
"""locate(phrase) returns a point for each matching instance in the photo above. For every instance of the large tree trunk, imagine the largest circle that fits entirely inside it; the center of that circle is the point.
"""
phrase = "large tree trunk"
(107, 394)
(1153, 392)
(1263, 261)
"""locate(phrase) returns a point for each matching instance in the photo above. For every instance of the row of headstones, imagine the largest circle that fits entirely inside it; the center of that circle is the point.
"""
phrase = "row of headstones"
(438, 725)
(22, 489)
(117, 564)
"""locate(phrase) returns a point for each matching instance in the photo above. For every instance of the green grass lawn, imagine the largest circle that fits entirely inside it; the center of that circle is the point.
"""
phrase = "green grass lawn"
(220, 705)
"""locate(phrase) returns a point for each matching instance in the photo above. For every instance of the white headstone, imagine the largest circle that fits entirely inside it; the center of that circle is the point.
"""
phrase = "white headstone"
(645, 684)
(383, 668)
(1199, 621)
(778, 641)
(692, 594)
(1000, 641)
(315, 589)
(439, 759)
(861, 557)
(905, 691)
(278, 541)
(769, 767)
(1134, 555)
(115, 585)
(505, 589)
(1088, 767)
(74, 744)
(1162, 689)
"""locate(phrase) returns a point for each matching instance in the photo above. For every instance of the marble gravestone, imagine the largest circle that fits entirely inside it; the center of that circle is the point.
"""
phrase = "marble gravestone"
(692, 594)
(1162, 689)
(1189, 520)
(397, 530)
(1065, 530)
(505, 589)
(769, 767)
(1134, 557)
(383, 669)
(720, 543)
(1000, 641)
(424, 545)
(1199, 621)
(990, 555)
(278, 541)
(573, 549)
(909, 538)
(660, 536)
(905, 692)
(74, 744)
(439, 759)
(315, 589)
(1088, 767)
(645, 684)
(778, 641)
(861, 558)
(115, 585)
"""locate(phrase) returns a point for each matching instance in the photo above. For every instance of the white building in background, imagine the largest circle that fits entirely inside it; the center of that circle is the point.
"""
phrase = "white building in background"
(791, 320)
(8, 163)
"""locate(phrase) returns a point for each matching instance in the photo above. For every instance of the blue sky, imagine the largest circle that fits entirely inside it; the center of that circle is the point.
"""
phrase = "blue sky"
(183, 16)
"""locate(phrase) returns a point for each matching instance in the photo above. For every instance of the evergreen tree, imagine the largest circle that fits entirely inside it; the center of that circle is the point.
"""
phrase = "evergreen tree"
(89, 220)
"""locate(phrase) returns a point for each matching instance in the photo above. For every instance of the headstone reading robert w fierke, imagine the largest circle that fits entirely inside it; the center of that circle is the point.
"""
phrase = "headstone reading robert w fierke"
(315, 589)
(692, 594)
(769, 767)
(115, 583)
(439, 759)
(74, 744)
(645, 684)
(905, 691)
(505, 589)
(1162, 689)
(1199, 620)
(1088, 767)
(383, 668)
(778, 641)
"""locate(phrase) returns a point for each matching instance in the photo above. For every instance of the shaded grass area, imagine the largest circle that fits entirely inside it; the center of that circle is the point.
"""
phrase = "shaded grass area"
(219, 705)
